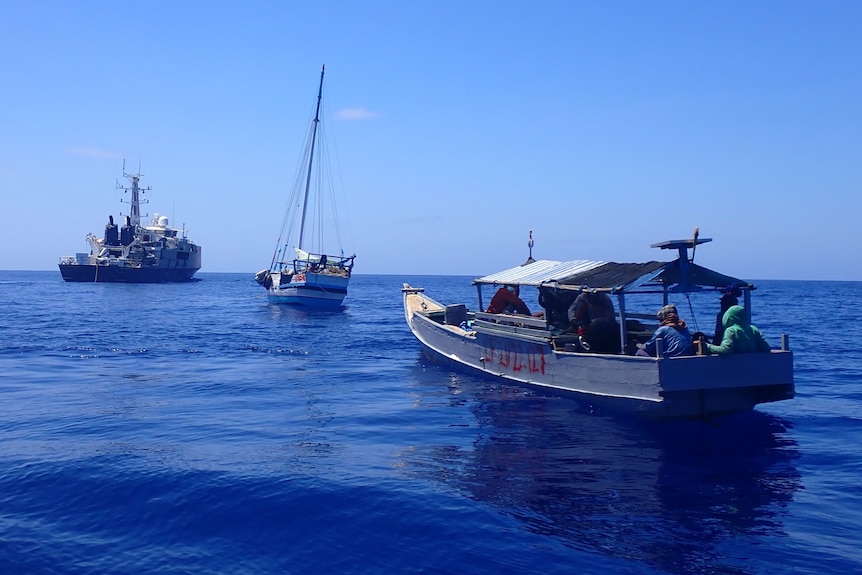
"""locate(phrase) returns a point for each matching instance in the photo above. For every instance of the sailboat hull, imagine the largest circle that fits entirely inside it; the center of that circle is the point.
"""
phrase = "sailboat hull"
(316, 290)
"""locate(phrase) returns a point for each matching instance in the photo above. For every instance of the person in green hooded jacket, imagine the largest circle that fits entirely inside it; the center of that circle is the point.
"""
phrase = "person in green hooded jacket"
(739, 335)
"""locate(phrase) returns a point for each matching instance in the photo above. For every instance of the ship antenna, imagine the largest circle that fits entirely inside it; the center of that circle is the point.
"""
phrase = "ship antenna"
(694, 243)
(135, 201)
(530, 246)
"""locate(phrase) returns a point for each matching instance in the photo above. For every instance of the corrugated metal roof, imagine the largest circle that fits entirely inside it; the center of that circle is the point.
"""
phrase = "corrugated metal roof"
(616, 276)
(597, 275)
(539, 272)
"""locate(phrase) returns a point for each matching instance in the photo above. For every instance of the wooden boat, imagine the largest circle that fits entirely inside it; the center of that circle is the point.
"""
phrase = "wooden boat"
(539, 352)
(309, 276)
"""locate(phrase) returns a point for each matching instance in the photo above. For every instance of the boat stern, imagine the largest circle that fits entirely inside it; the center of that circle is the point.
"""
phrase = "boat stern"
(715, 384)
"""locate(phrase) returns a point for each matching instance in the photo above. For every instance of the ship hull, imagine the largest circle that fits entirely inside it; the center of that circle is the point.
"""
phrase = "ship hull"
(114, 274)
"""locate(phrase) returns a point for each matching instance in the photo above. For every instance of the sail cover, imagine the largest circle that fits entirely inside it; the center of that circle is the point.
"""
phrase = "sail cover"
(304, 256)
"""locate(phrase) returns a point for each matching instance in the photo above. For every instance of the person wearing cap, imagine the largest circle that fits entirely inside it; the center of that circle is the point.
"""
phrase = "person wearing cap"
(730, 297)
(673, 332)
(739, 335)
(507, 300)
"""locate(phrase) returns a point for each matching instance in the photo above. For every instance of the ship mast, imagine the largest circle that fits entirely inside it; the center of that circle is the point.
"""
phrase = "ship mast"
(135, 202)
(311, 157)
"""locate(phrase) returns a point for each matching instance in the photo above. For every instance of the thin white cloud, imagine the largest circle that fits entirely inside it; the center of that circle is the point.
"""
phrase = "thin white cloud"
(93, 152)
(355, 114)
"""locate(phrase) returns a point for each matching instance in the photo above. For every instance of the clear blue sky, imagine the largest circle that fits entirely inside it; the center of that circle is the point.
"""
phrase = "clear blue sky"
(601, 126)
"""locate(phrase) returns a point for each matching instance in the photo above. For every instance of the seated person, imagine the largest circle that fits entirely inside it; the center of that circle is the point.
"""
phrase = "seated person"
(673, 332)
(739, 335)
(729, 297)
(506, 300)
(593, 312)
(556, 304)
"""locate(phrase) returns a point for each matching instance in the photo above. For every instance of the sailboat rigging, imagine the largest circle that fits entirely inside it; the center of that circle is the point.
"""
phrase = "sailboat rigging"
(312, 277)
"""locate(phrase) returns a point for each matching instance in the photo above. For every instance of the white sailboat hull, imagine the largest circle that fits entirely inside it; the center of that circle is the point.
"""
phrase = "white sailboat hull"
(314, 290)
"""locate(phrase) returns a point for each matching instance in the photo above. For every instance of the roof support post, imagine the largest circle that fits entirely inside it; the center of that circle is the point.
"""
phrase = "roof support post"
(621, 301)
(684, 269)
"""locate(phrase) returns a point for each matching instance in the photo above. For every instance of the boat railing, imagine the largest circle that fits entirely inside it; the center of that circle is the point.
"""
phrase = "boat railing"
(320, 262)
(507, 324)
(512, 319)
(648, 316)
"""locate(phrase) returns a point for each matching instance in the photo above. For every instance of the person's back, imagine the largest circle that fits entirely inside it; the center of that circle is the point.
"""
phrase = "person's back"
(728, 299)
(602, 332)
(676, 339)
(589, 307)
(601, 306)
(556, 305)
(506, 299)
(739, 335)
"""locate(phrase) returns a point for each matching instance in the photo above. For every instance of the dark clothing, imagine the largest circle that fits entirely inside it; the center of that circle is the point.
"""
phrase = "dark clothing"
(594, 313)
(603, 335)
(503, 299)
(727, 300)
(556, 305)
(589, 307)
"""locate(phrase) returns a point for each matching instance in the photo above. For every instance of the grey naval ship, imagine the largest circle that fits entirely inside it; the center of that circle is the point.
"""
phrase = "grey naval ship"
(135, 253)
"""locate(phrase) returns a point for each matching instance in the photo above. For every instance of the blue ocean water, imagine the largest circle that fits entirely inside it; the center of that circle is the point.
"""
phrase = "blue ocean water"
(192, 428)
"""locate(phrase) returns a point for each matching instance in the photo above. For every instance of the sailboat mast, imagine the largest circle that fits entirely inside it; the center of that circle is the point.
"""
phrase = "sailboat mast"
(311, 157)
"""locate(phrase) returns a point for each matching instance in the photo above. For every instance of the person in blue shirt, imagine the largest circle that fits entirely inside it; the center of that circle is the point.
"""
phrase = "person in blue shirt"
(672, 330)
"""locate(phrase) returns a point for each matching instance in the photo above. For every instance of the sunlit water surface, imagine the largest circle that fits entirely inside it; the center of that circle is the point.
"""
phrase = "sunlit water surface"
(195, 429)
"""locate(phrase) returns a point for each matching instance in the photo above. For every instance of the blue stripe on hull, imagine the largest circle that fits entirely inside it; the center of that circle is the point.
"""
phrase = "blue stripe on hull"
(322, 289)
(307, 295)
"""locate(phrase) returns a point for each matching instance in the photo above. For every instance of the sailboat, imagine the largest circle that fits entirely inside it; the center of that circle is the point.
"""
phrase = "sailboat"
(305, 274)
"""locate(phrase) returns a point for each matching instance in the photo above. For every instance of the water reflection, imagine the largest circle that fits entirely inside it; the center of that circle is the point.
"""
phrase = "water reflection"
(673, 495)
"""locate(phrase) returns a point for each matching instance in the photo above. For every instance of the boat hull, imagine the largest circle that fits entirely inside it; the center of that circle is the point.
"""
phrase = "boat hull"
(316, 290)
(116, 274)
(693, 386)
